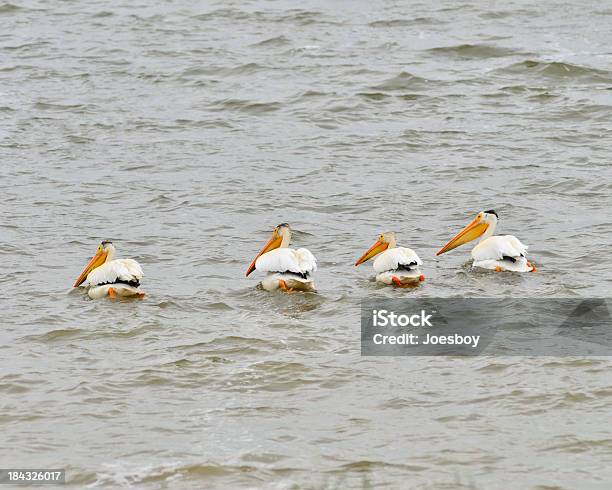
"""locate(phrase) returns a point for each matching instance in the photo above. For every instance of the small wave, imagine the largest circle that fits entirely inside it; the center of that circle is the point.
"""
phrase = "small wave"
(308, 96)
(9, 7)
(373, 95)
(558, 70)
(48, 106)
(59, 334)
(476, 51)
(403, 81)
(246, 106)
(229, 345)
(514, 12)
(27, 46)
(103, 13)
(497, 14)
(273, 41)
(246, 69)
(5, 69)
(273, 376)
(494, 367)
(195, 71)
(13, 388)
(543, 97)
(118, 474)
(160, 199)
(79, 139)
(370, 466)
(574, 445)
(124, 334)
(224, 13)
(218, 306)
(404, 22)
(304, 17)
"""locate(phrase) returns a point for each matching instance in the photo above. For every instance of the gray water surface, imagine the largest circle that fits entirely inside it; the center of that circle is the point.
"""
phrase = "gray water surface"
(185, 131)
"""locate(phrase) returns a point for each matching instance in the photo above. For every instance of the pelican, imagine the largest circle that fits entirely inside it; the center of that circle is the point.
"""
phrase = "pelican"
(289, 270)
(106, 276)
(498, 253)
(394, 265)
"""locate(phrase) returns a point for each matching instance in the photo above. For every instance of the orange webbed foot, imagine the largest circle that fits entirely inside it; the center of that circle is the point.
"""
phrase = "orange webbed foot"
(498, 269)
(283, 285)
(112, 293)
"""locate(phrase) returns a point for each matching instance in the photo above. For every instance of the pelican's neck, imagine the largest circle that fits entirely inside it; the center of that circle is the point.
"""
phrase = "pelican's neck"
(110, 255)
(489, 232)
(286, 240)
(392, 243)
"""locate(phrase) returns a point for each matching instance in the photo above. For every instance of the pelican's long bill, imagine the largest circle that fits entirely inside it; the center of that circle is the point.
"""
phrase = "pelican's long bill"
(378, 247)
(96, 261)
(275, 241)
(472, 231)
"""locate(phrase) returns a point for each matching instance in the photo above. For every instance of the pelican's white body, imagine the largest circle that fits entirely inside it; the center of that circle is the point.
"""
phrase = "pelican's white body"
(288, 265)
(388, 265)
(102, 278)
(490, 253)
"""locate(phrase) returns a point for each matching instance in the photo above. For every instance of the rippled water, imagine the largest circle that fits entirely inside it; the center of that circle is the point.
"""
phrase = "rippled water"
(185, 131)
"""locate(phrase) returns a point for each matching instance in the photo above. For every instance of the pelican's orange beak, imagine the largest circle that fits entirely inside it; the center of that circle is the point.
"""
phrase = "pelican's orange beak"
(472, 231)
(95, 262)
(274, 242)
(378, 247)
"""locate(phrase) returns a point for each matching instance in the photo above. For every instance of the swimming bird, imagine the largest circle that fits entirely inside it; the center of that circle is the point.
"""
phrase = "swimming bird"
(394, 265)
(288, 269)
(106, 276)
(498, 253)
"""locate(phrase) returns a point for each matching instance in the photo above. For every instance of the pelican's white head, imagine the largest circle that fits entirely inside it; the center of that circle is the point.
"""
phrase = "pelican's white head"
(385, 240)
(483, 224)
(105, 252)
(281, 237)
(109, 248)
(284, 231)
(490, 217)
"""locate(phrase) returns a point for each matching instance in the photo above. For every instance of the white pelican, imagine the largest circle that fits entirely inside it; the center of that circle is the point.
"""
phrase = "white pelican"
(288, 269)
(499, 253)
(394, 265)
(104, 276)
